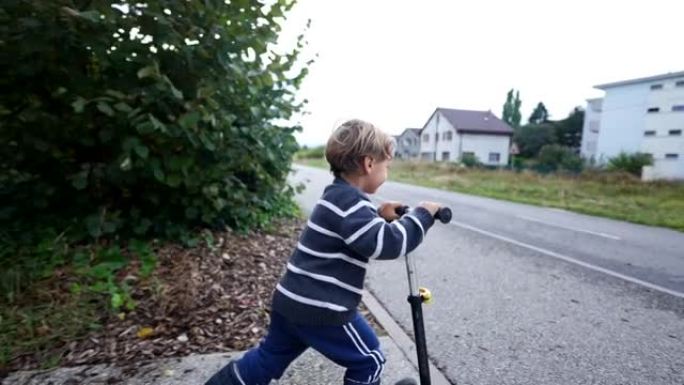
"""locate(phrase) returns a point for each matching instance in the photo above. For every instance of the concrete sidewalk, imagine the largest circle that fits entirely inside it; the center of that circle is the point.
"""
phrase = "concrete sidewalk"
(310, 368)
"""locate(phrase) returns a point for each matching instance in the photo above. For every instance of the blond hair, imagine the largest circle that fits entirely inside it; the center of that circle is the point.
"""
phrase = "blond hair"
(354, 140)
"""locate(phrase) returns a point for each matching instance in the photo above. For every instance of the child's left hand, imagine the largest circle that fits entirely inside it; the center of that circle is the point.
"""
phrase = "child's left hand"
(388, 211)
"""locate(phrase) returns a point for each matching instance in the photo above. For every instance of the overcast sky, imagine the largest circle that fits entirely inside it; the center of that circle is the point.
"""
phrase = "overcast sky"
(394, 62)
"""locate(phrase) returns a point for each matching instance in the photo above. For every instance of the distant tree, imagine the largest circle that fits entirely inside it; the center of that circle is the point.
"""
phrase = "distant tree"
(539, 115)
(569, 130)
(532, 137)
(511, 109)
(517, 117)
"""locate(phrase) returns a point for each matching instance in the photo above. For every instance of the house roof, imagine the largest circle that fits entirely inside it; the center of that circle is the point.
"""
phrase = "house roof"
(595, 104)
(669, 75)
(414, 130)
(477, 122)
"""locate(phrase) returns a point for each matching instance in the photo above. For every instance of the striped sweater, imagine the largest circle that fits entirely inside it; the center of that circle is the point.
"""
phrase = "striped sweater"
(324, 278)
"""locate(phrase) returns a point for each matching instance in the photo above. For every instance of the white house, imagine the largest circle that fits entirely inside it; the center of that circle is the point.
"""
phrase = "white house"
(408, 144)
(645, 115)
(591, 128)
(449, 134)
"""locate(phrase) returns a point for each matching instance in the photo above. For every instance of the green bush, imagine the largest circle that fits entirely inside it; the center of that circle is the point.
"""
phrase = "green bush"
(631, 163)
(517, 163)
(532, 137)
(554, 157)
(470, 160)
(138, 120)
(144, 118)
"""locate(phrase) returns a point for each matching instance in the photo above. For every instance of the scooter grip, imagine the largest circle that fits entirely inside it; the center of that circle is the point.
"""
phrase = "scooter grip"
(401, 210)
(443, 214)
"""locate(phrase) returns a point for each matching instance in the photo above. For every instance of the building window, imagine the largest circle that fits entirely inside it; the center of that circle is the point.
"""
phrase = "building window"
(594, 126)
(654, 109)
(426, 138)
(649, 133)
(675, 132)
(436, 137)
(445, 156)
(679, 83)
(449, 135)
(494, 157)
(591, 146)
(671, 156)
(678, 108)
(656, 87)
(467, 154)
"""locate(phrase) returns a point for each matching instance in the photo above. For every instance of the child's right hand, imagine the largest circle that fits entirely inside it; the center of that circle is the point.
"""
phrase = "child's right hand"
(432, 207)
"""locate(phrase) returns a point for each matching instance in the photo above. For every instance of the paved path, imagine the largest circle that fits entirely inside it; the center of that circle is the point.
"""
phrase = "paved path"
(531, 295)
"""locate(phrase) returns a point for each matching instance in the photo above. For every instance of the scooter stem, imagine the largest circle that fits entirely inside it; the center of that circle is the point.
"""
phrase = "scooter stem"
(416, 302)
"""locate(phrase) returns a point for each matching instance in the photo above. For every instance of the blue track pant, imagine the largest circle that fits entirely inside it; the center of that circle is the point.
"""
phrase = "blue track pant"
(353, 346)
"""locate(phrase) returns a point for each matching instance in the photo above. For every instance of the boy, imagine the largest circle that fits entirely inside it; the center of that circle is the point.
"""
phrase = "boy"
(315, 303)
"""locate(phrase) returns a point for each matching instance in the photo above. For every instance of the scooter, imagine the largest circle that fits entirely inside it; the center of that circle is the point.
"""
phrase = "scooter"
(418, 296)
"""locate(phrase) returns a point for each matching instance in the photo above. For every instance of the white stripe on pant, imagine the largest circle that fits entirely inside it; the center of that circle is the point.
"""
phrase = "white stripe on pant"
(363, 349)
(374, 352)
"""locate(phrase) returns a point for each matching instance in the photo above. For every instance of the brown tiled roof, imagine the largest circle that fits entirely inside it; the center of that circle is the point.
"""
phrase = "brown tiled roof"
(480, 122)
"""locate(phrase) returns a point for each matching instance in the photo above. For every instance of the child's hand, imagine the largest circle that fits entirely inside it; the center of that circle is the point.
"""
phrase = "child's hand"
(432, 207)
(388, 211)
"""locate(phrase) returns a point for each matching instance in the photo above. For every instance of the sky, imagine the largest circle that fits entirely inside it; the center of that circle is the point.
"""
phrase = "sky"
(393, 62)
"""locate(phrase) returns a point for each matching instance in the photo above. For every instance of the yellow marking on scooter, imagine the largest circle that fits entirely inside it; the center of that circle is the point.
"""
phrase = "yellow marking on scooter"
(425, 295)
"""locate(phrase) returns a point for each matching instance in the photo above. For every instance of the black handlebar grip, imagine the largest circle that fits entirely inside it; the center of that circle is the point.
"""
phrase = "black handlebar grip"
(401, 210)
(443, 214)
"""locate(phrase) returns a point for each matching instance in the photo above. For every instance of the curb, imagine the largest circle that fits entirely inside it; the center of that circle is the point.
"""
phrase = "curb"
(310, 368)
(397, 334)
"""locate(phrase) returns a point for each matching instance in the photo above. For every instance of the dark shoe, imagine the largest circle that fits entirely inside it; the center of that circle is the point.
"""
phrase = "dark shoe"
(406, 381)
(225, 376)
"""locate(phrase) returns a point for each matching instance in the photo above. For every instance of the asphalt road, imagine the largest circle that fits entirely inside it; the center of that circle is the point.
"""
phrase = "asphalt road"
(532, 295)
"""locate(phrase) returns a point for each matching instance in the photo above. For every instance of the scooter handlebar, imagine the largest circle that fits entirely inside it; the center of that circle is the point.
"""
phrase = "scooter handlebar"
(443, 214)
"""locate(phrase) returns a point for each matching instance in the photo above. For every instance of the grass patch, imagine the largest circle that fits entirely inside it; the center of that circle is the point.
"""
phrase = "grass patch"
(45, 318)
(314, 162)
(607, 194)
(54, 293)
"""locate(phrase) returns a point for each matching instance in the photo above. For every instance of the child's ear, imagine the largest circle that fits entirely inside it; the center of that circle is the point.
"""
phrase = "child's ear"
(367, 164)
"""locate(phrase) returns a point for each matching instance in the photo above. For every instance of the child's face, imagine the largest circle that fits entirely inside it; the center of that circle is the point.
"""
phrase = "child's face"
(376, 174)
